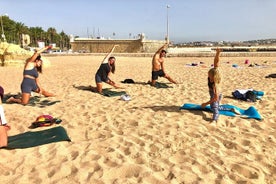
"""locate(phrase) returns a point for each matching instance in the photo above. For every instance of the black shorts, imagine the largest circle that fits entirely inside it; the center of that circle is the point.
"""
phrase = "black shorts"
(100, 79)
(156, 74)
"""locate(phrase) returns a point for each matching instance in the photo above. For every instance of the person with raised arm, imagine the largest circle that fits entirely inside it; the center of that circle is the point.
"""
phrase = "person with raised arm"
(103, 73)
(158, 69)
(214, 80)
(30, 82)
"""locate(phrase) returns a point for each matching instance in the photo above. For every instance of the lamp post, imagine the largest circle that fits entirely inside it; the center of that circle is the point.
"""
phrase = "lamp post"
(2, 27)
(167, 37)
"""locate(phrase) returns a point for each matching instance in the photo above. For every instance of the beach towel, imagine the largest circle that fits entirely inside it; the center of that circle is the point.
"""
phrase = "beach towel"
(105, 92)
(251, 112)
(31, 139)
(41, 101)
(36, 101)
(109, 93)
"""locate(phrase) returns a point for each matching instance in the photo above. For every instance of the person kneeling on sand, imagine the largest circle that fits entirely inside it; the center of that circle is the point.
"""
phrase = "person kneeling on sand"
(106, 68)
(4, 127)
(30, 81)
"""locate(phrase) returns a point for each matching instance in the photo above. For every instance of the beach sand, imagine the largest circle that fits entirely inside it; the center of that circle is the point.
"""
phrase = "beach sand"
(147, 139)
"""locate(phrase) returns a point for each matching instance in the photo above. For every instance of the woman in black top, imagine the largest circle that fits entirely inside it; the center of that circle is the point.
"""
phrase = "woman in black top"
(106, 68)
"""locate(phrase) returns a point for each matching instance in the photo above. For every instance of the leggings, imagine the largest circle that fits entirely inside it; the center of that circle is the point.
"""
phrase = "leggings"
(215, 107)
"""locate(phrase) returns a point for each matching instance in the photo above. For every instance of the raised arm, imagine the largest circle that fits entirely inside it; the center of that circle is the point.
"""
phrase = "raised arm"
(34, 56)
(216, 59)
(161, 48)
(105, 60)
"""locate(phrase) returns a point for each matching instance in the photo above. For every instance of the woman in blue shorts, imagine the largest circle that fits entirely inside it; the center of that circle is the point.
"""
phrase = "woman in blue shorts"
(30, 81)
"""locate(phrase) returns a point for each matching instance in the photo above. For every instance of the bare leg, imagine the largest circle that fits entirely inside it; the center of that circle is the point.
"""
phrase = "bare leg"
(235, 111)
(170, 79)
(97, 89)
(13, 100)
(100, 87)
(3, 136)
(152, 83)
(25, 98)
(47, 94)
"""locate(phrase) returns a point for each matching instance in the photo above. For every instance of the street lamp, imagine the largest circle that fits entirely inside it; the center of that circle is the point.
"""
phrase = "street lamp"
(2, 27)
(167, 37)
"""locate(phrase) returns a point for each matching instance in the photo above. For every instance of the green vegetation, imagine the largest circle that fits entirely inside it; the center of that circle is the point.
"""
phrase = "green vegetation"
(13, 32)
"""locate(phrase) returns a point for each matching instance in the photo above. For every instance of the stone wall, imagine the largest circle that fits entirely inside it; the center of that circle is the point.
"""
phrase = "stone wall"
(141, 45)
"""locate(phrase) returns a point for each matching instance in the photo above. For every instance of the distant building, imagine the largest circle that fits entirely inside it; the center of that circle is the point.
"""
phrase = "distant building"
(140, 45)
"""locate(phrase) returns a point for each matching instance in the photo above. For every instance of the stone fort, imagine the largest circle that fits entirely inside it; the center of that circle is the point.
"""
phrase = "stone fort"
(140, 45)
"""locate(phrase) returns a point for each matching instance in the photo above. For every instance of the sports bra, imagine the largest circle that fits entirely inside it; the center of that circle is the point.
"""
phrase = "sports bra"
(33, 72)
(210, 84)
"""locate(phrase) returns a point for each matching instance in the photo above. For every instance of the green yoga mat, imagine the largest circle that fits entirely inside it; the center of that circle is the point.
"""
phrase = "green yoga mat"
(31, 139)
(161, 85)
(36, 101)
(41, 102)
(109, 93)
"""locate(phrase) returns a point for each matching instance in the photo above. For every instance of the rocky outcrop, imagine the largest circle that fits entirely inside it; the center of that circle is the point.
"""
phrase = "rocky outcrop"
(11, 54)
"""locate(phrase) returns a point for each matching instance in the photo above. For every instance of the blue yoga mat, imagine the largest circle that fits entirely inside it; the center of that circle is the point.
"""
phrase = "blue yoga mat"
(251, 112)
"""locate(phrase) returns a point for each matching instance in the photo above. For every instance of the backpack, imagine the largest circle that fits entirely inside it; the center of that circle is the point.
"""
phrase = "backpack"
(238, 95)
(251, 96)
(129, 81)
(45, 120)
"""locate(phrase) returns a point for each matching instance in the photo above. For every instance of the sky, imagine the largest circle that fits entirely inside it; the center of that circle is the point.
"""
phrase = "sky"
(183, 20)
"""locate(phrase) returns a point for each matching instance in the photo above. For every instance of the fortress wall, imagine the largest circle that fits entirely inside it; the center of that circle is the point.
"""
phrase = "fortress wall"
(125, 46)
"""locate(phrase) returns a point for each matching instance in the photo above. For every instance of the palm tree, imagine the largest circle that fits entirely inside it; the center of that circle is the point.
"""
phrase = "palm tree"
(20, 29)
(51, 34)
(36, 34)
(9, 29)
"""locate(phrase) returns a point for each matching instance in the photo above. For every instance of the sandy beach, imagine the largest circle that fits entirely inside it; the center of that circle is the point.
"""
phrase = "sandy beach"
(147, 139)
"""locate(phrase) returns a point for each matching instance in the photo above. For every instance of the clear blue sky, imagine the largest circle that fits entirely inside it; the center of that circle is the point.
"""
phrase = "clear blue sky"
(189, 20)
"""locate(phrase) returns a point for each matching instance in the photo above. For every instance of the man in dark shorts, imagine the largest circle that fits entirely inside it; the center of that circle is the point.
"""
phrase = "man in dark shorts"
(158, 66)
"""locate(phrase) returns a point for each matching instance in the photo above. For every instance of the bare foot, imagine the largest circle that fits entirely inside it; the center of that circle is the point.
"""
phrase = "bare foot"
(7, 127)
(47, 94)
(119, 87)
(150, 83)
(10, 100)
(213, 123)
